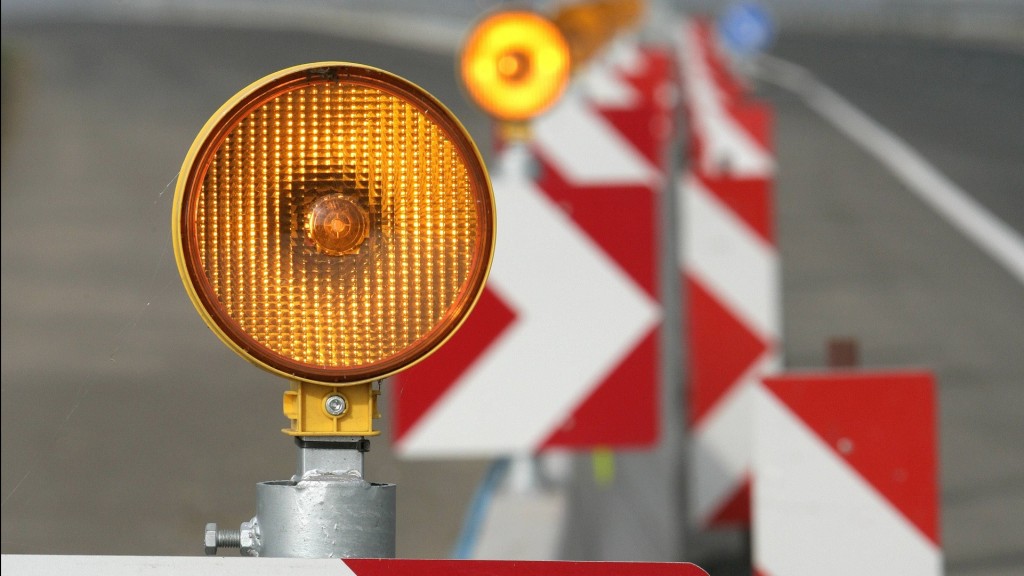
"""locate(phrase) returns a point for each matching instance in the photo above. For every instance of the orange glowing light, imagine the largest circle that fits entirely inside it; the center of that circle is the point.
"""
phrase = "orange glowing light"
(589, 26)
(337, 224)
(515, 64)
(334, 223)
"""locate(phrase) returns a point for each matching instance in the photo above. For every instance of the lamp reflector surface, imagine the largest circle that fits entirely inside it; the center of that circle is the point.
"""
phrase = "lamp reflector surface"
(334, 223)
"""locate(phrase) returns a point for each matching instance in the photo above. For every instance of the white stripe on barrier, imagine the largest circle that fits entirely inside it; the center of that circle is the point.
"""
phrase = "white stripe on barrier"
(576, 287)
(729, 259)
(587, 149)
(823, 508)
(625, 55)
(603, 84)
(721, 445)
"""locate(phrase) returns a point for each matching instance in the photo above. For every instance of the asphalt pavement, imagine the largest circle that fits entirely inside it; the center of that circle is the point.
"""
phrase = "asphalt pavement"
(958, 104)
(127, 425)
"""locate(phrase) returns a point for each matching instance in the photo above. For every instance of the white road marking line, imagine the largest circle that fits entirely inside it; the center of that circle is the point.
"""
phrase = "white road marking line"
(1001, 242)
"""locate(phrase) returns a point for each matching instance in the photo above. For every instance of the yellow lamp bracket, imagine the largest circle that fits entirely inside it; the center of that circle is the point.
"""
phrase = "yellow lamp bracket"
(510, 131)
(325, 410)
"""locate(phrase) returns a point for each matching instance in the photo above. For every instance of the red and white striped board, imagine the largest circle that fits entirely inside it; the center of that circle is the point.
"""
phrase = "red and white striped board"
(728, 134)
(846, 475)
(730, 275)
(27, 565)
(562, 349)
(636, 90)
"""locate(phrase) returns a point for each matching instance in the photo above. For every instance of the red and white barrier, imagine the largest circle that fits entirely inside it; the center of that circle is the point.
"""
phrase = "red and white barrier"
(27, 565)
(636, 90)
(562, 350)
(846, 476)
(729, 263)
(731, 279)
(719, 118)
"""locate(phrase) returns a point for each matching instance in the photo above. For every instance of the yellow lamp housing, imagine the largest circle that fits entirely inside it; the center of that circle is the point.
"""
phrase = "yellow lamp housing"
(515, 64)
(333, 224)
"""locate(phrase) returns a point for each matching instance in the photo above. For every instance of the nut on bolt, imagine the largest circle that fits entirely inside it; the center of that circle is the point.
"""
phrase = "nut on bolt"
(249, 538)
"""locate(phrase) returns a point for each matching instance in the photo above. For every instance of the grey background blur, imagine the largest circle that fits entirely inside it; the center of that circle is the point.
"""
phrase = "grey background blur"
(126, 424)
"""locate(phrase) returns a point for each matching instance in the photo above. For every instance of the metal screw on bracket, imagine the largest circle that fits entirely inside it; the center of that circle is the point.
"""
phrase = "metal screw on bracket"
(215, 538)
(335, 405)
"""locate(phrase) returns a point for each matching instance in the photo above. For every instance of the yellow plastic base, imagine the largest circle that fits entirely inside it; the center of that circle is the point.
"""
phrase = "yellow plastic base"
(305, 406)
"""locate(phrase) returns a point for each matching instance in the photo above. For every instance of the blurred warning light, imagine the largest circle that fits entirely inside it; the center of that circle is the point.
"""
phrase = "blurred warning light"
(589, 26)
(515, 64)
(334, 223)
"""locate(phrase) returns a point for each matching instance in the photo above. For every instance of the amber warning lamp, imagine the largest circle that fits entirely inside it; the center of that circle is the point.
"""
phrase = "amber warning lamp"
(515, 64)
(590, 26)
(334, 224)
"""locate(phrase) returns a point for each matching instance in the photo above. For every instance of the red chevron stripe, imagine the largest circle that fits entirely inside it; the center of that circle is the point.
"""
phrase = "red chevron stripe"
(883, 425)
(425, 384)
(736, 510)
(600, 418)
(721, 349)
(756, 118)
(649, 124)
(750, 199)
(620, 219)
(390, 567)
